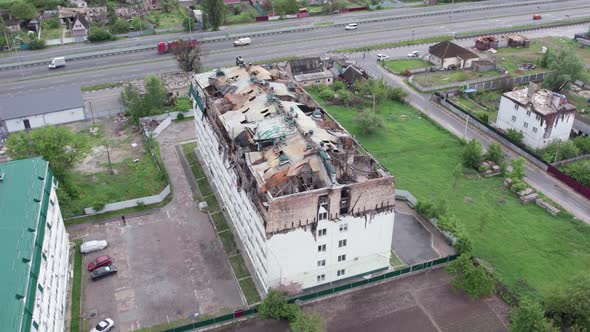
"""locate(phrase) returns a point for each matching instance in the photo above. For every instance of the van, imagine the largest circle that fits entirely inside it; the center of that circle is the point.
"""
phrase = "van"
(242, 41)
(352, 26)
(57, 62)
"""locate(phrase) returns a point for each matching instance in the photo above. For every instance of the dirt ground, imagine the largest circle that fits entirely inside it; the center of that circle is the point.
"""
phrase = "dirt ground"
(125, 142)
(420, 303)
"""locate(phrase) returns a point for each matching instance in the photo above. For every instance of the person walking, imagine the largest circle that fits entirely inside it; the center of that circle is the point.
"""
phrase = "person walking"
(124, 222)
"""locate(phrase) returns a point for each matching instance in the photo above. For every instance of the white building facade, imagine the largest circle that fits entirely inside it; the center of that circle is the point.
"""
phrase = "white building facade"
(541, 116)
(42, 120)
(332, 248)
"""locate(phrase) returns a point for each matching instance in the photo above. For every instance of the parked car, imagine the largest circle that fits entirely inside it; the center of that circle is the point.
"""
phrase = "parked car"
(99, 261)
(537, 17)
(352, 26)
(382, 57)
(91, 246)
(103, 272)
(243, 41)
(414, 54)
(104, 325)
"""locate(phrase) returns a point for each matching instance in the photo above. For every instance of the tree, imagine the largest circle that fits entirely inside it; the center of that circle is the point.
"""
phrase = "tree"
(182, 104)
(138, 23)
(37, 44)
(516, 136)
(495, 153)
(58, 145)
(580, 171)
(457, 174)
(275, 306)
(518, 169)
(570, 304)
(327, 94)
(120, 26)
(23, 10)
(131, 100)
(565, 67)
(559, 150)
(474, 281)
(99, 35)
(307, 323)
(188, 23)
(168, 5)
(344, 96)
(188, 57)
(472, 154)
(530, 317)
(215, 13)
(368, 122)
(155, 95)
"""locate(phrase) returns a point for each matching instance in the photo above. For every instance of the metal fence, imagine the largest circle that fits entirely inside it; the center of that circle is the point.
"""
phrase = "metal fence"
(321, 293)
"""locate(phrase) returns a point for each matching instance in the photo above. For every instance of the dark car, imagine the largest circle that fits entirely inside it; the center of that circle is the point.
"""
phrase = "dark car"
(99, 262)
(103, 272)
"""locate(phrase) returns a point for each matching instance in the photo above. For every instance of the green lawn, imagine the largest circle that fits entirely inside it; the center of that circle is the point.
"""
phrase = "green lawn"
(163, 20)
(76, 289)
(49, 34)
(403, 65)
(239, 266)
(249, 289)
(526, 246)
(395, 44)
(130, 180)
(451, 76)
(475, 108)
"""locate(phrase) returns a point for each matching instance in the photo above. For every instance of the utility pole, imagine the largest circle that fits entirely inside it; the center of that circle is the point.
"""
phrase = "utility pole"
(91, 112)
(466, 124)
(20, 67)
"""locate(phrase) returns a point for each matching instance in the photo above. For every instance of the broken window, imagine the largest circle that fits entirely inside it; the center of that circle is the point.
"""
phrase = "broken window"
(344, 200)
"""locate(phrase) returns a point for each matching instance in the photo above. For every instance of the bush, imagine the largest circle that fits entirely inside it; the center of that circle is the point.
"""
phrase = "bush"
(275, 306)
(182, 104)
(327, 94)
(570, 304)
(559, 150)
(180, 116)
(99, 204)
(338, 85)
(344, 96)
(369, 122)
(99, 35)
(514, 135)
(463, 245)
(483, 116)
(530, 316)
(583, 144)
(472, 154)
(580, 171)
(120, 26)
(432, 210)
(37, 44)
(518, 185)
(474, 281)
(495, 153)
(307, 323)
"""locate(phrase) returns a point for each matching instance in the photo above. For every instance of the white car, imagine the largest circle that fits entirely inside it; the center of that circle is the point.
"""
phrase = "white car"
(352, 26)
(243, 41)
(414, 54)
(104, 326)
(382, 57)
(94, 245)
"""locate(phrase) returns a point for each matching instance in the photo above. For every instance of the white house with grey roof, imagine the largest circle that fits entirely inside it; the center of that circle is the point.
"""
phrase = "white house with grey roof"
(39, 109)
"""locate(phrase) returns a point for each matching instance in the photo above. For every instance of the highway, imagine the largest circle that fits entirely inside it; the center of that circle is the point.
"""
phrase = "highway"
(303, 43)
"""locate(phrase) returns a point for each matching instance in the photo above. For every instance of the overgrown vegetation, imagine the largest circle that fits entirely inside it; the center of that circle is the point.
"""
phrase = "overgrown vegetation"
(151, 102)
(395, 44)
(98, 34)
(530, 316)
(275, 306)
(75, 318)
(473, 280)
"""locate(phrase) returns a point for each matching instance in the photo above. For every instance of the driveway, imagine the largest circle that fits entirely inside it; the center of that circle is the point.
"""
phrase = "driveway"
(171, 264)
(411, 240)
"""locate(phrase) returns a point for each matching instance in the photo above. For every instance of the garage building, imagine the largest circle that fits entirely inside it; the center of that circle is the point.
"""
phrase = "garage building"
(39, 109)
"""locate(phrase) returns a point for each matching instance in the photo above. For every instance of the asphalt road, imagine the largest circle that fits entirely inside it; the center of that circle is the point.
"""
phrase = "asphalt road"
(248, 29)
(304, 43)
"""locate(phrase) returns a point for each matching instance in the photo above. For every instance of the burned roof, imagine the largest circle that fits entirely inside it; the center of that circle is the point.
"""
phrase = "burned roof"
(447, 49)
(543, 101)
(305, 66)
(288, 146)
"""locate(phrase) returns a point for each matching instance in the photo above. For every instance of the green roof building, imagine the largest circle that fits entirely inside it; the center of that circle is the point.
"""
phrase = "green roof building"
(34, 248)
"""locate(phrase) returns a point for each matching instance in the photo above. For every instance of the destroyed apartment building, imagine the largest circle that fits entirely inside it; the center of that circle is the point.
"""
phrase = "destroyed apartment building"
(308, 203)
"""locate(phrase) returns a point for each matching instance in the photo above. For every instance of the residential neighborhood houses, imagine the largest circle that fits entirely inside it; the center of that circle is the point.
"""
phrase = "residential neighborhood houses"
(352, 166)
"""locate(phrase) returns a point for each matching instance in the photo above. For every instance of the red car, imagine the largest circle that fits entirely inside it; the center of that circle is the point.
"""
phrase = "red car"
(99, 262)
(536, 17)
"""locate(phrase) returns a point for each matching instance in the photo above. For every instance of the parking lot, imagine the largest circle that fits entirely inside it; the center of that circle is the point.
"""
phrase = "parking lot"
(170, 263)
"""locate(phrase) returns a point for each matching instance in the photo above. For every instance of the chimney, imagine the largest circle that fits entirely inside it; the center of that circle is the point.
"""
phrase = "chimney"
(531, 90)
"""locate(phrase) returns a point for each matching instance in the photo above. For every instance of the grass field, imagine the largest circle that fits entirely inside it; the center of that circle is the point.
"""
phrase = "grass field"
(446, 77)
(164, 20)
(76, 289)
(476, 108)
(49, 34)
(530, 251)
(402, 65)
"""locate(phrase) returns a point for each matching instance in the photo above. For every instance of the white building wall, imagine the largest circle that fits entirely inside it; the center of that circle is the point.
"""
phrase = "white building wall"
(51, 295)
(40, 120)
(511, 115)
(295, 257)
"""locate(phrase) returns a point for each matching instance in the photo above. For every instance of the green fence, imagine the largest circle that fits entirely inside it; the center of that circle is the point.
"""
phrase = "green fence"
(320, 293)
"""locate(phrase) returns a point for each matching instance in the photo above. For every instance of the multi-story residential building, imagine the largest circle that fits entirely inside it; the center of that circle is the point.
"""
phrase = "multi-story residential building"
(308, 203)
(541, 115)
(34, 247)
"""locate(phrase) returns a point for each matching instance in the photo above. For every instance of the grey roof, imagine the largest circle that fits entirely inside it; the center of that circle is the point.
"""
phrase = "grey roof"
(14, 107)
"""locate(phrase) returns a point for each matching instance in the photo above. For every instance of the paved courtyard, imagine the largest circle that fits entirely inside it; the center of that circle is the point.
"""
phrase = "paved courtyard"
(424, 302)
(171, 264)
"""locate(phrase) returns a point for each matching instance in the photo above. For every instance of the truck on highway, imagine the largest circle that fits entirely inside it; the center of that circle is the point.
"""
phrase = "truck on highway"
(57, 62)
(165, 47)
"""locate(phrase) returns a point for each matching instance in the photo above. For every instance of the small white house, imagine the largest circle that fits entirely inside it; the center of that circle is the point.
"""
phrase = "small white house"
(541, 115)
(39, 109)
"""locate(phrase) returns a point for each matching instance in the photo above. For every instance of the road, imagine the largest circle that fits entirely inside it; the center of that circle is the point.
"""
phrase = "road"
(539, 179)
(309, 22)
(304, 43)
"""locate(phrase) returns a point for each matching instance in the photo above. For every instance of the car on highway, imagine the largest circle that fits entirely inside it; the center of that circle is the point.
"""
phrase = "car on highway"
(99, 261)
(94, 245)
(103, 272)
(104, 325)
(537, 17)
(352, 26)
(243, 41)
(414, 54)
(382, 57)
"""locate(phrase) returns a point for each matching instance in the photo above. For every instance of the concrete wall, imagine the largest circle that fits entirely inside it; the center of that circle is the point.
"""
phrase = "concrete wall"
(131, 202)
(581, 127)
(533, 125)
(41, 120)
(50, 309)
